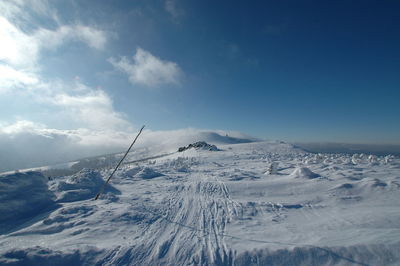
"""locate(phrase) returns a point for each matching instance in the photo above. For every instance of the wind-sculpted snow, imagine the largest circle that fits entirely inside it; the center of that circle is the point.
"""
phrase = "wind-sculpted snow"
(200, 207)
(304, 172)
(22, 197)
(148, 173)
(81, 186)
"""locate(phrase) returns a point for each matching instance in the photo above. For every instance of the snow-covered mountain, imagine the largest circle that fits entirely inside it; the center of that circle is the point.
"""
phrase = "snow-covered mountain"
(151, 143)
(208, 207)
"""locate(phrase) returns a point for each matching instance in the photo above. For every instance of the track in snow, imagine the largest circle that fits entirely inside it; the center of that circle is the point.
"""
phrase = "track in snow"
(190, 229)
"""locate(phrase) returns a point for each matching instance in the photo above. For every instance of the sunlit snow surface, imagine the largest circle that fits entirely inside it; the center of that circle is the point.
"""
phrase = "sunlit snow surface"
(212, 208)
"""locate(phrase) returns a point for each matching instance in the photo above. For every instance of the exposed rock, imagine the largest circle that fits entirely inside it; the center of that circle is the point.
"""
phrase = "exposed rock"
(200, 145)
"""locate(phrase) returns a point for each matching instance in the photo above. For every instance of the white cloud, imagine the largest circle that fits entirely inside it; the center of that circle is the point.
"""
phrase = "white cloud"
(75, 103)
(21, 126)
(102, 140)
(93, 109)
(17, 48)
(94, 38)
(11, 78)
(27, 144)
(22, 10)
(22, 49)
(20, 52)
(148, 69)
(98, 127)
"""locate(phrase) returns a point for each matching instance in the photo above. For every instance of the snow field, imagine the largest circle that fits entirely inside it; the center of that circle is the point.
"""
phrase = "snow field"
(223, 207)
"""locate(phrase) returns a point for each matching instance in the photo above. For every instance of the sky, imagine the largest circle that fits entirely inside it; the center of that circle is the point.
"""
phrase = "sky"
(90, 73)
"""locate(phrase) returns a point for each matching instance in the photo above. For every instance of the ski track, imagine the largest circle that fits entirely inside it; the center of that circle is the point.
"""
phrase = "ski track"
(190, 229)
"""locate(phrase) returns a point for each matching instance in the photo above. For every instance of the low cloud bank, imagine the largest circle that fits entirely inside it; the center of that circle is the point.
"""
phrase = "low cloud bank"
(26, 144)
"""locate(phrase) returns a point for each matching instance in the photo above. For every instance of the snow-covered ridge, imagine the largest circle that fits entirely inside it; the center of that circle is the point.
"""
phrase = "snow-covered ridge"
(150, 144)
(28, 150)
(201, 207)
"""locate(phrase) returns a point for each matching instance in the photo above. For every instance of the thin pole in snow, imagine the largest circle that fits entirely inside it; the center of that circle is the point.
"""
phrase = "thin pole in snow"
(116, 168)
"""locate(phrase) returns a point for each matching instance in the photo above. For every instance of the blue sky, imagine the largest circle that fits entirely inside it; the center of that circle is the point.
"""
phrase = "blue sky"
(290, 70)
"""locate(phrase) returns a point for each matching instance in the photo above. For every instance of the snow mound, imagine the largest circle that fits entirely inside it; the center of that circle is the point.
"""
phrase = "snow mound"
(345, 186)
(148, 173)
(304, 172)
(200, 145)
(241, 175)
(83, 185)
(133, 171)
(23, 196)
(181, 164)
(378, 183)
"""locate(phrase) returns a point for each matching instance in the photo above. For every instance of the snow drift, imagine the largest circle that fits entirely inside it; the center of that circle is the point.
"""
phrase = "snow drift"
(23, 196)
(304, 172)
(83, 185)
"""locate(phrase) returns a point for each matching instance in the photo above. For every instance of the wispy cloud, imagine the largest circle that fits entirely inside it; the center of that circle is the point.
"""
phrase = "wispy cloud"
(22, 49)
(73, 102)
(20, 66)
(11, 78)
(171, 6)
(93, 109)
(17, 49)
(23, 11)
(90, 122)
(147, 69)
(91, 36)
(24, 38)
(30, 144)
(97, 128)
(21, 126)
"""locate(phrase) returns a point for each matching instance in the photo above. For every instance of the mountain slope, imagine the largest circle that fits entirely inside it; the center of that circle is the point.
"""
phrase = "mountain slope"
(219, 208)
